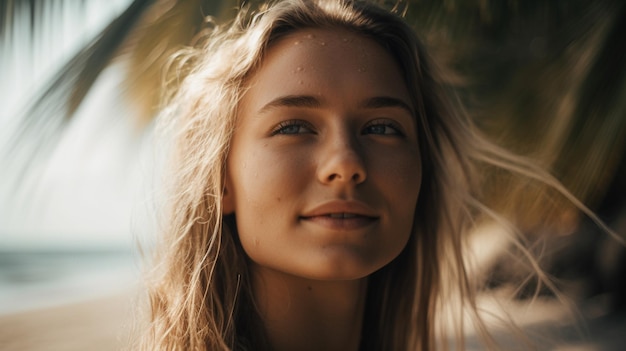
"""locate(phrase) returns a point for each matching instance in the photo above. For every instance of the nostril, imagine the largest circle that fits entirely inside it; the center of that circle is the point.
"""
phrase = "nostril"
(345, 166)
(356, 177)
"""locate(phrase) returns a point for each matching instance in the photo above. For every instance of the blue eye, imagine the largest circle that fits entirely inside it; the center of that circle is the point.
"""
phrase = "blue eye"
(383, 127)
(292, 127)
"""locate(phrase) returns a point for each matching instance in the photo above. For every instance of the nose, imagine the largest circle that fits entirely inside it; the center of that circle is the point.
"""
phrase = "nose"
(342, 162)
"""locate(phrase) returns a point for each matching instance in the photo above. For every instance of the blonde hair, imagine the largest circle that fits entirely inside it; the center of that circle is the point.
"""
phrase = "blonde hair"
(200, 294)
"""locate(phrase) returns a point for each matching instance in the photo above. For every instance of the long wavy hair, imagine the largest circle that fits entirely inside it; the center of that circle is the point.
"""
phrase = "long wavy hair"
(200, 292)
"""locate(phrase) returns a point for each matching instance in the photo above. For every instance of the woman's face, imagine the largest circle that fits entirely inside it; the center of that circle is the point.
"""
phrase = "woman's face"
(323, 172)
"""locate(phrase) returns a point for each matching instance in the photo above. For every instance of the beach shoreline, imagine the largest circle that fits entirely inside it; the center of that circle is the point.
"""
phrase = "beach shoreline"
(110, 323)
(104, 323)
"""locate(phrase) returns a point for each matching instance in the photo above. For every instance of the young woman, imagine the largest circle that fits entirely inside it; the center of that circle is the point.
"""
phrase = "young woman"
(323, 186)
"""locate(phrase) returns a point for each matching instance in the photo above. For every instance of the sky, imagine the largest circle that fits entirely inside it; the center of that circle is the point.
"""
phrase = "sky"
(86, 193)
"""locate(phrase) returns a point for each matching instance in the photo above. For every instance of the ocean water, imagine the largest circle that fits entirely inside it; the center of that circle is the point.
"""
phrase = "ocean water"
(33, 279)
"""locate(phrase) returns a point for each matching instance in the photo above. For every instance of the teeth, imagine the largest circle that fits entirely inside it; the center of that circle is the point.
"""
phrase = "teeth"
(342, 215)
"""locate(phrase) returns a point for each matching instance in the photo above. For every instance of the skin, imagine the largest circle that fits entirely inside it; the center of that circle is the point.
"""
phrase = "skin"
(323, 176)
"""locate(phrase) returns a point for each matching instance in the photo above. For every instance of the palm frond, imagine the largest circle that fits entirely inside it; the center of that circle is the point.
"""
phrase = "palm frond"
(523, 61)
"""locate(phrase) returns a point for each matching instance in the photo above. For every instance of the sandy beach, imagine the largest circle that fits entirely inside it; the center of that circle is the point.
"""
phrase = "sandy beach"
(97, 324)
(107, 323)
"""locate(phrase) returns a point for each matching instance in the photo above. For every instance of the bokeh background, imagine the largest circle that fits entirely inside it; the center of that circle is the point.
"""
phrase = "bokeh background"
(79, 90)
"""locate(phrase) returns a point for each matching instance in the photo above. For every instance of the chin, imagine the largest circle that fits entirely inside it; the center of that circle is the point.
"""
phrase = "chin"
(341, 270)
(336, 276)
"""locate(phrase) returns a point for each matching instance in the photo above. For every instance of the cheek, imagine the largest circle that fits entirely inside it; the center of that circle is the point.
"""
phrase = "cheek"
(267, 184)
(402, 173)
(266, 177)
(400, 179)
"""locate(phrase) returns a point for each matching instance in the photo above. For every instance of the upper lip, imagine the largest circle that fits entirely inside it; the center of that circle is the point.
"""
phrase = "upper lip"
(340, 206)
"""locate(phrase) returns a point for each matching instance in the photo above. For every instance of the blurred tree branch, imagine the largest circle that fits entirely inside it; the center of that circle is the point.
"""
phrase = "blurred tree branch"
(546, 79)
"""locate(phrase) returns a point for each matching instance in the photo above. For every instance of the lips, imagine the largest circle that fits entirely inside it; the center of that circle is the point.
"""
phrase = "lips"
(341, 215)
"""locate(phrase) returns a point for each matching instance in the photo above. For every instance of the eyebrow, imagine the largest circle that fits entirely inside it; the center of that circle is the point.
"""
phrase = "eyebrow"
(307, 101)
(386, 101)
(292, 101)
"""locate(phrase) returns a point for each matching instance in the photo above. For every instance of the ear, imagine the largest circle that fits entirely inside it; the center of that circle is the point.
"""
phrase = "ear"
(228, 201)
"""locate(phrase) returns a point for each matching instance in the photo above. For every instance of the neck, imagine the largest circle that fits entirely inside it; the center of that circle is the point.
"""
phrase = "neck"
(303, 314)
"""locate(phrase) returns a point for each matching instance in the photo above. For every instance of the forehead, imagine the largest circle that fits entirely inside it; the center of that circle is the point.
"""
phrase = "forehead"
(324, 61)
(308, 45)
(329, 38)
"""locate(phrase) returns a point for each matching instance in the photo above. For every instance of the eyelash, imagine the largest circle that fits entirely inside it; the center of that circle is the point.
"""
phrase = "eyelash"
(282, 127)
(397, 129)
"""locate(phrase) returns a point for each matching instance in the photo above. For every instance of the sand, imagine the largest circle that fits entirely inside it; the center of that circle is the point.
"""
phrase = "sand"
(107, 324)
(97, 324)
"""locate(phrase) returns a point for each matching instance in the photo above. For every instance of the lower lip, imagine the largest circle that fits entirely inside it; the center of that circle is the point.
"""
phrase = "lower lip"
(351, 223)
